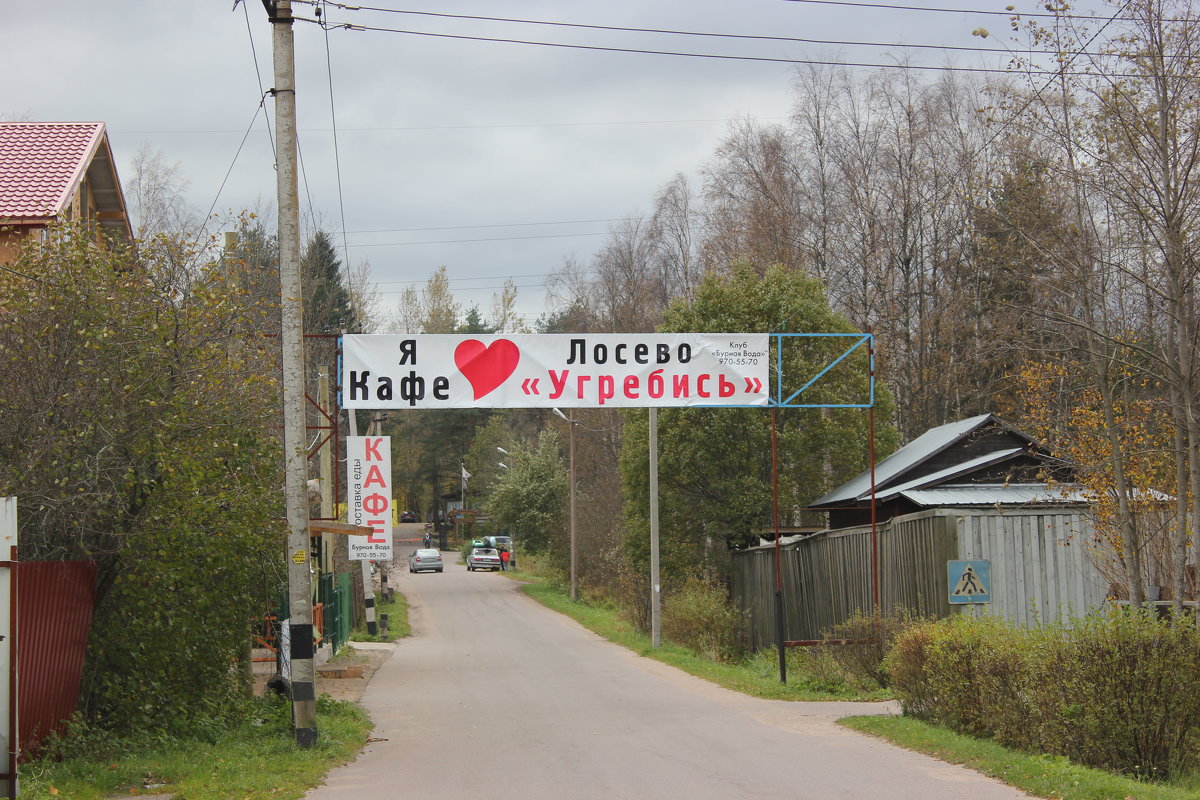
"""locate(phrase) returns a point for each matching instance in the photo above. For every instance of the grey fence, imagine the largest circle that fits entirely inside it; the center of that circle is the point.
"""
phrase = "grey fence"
(1040, 570)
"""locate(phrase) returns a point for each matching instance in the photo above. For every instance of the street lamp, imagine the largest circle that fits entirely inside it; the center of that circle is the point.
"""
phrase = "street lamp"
(571, 450)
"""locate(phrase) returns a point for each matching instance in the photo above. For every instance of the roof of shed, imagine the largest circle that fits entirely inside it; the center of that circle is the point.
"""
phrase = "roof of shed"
(991, 494)
(926, 445)
(955, 471)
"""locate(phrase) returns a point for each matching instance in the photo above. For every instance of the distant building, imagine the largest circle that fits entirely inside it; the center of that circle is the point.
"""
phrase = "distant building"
(58, 171)
(977, 462)
(973, 491)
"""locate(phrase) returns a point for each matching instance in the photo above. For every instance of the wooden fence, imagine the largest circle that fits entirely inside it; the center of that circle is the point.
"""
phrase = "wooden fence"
(1040, 570)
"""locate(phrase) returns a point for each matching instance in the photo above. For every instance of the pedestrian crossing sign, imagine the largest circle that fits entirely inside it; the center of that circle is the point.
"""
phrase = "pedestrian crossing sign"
(969, 581)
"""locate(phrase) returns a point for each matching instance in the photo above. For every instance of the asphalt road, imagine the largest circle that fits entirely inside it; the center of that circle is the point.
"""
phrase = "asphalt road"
(496, 697)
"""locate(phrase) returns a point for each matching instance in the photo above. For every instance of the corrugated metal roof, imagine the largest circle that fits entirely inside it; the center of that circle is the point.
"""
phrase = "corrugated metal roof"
(927, 444)
(41, 165)
(947, 473)
(993, 494)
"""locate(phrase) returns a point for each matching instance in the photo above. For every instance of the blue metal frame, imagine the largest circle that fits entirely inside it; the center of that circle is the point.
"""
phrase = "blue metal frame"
(862, 338)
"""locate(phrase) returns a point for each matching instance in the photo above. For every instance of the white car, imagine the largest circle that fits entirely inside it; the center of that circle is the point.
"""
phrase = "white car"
(423, 559)
(483, 558)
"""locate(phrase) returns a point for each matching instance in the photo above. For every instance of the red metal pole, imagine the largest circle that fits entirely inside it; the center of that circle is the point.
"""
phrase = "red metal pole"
(779, 626)
(874, 530)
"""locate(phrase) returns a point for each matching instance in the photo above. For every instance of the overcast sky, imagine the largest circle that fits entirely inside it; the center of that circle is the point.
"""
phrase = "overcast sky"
(494, 159)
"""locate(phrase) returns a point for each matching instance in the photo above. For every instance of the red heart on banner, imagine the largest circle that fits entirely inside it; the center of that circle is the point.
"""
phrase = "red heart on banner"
(486, 366)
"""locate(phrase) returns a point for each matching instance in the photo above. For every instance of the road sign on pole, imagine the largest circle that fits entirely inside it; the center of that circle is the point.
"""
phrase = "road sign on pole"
(969, 581)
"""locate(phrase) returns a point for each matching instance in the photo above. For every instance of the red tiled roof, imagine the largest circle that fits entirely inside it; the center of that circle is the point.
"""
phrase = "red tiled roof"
(41, 164)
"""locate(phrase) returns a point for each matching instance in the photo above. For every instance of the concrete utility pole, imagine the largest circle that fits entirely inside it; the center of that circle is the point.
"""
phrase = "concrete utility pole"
(304, 702)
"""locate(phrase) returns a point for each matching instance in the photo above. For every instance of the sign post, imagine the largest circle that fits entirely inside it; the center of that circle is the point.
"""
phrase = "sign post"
(369, 499)
(369, 506)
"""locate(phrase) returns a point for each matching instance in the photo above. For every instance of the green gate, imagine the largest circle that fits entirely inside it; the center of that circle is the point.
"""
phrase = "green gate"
(334, 595)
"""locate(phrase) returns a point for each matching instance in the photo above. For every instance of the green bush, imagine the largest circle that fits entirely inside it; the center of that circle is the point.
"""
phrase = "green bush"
(860, 644)
(700, 618)
(1118, 690)
(1134, 695)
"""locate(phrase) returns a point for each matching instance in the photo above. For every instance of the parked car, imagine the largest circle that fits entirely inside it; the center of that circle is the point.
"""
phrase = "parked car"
(408, 516)
(483, 558)
(423, 559)
(499, 542)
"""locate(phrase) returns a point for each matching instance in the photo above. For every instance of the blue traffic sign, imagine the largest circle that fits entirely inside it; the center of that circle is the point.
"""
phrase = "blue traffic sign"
(969, 581)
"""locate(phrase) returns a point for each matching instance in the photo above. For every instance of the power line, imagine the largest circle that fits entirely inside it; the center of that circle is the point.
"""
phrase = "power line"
(489, 239)
(670, 32)
(1006, 13)
(250, 127)
(258, 76)
(336, 158)
(476, 278)
(497, 125)
(680, 54)
(494, 225)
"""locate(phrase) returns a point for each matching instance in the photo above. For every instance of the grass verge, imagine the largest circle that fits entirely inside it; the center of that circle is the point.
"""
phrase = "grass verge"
(808, 679)
(398, 627)
(255, 760)
(1039, 775)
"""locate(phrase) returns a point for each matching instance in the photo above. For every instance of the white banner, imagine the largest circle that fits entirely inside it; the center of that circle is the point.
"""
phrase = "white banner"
(369, 495)
(618, 370)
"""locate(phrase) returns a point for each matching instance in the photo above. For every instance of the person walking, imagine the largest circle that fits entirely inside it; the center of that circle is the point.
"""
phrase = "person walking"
(504, 559)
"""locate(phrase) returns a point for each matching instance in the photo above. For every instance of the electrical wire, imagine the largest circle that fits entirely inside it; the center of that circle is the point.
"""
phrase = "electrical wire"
(669, 32)
(1037, 94)
(337, 161)
(475, 278)
(681, 54)
(258, 76)
(488, 239)
(312, 217)
(499, 125)
(1010, 12)
(495, 225)
(261, 106)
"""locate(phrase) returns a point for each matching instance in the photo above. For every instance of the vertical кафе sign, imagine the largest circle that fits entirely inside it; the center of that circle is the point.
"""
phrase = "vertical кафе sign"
(554, 370)
(369, 496)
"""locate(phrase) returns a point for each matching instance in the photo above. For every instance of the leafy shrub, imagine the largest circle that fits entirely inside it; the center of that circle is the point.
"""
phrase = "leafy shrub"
(809, 668)
(860, 644)
(1134, 693)
(700, 618)
(1119, 690)
(905, 667)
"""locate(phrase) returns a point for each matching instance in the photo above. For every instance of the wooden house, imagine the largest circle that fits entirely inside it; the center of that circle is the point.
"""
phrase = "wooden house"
(58, 171)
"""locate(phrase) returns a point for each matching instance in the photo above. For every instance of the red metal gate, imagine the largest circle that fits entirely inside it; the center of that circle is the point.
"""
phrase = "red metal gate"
(54, 611)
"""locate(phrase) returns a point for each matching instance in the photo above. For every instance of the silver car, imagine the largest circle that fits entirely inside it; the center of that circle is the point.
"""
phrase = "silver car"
(423, 559)
(483, 558)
